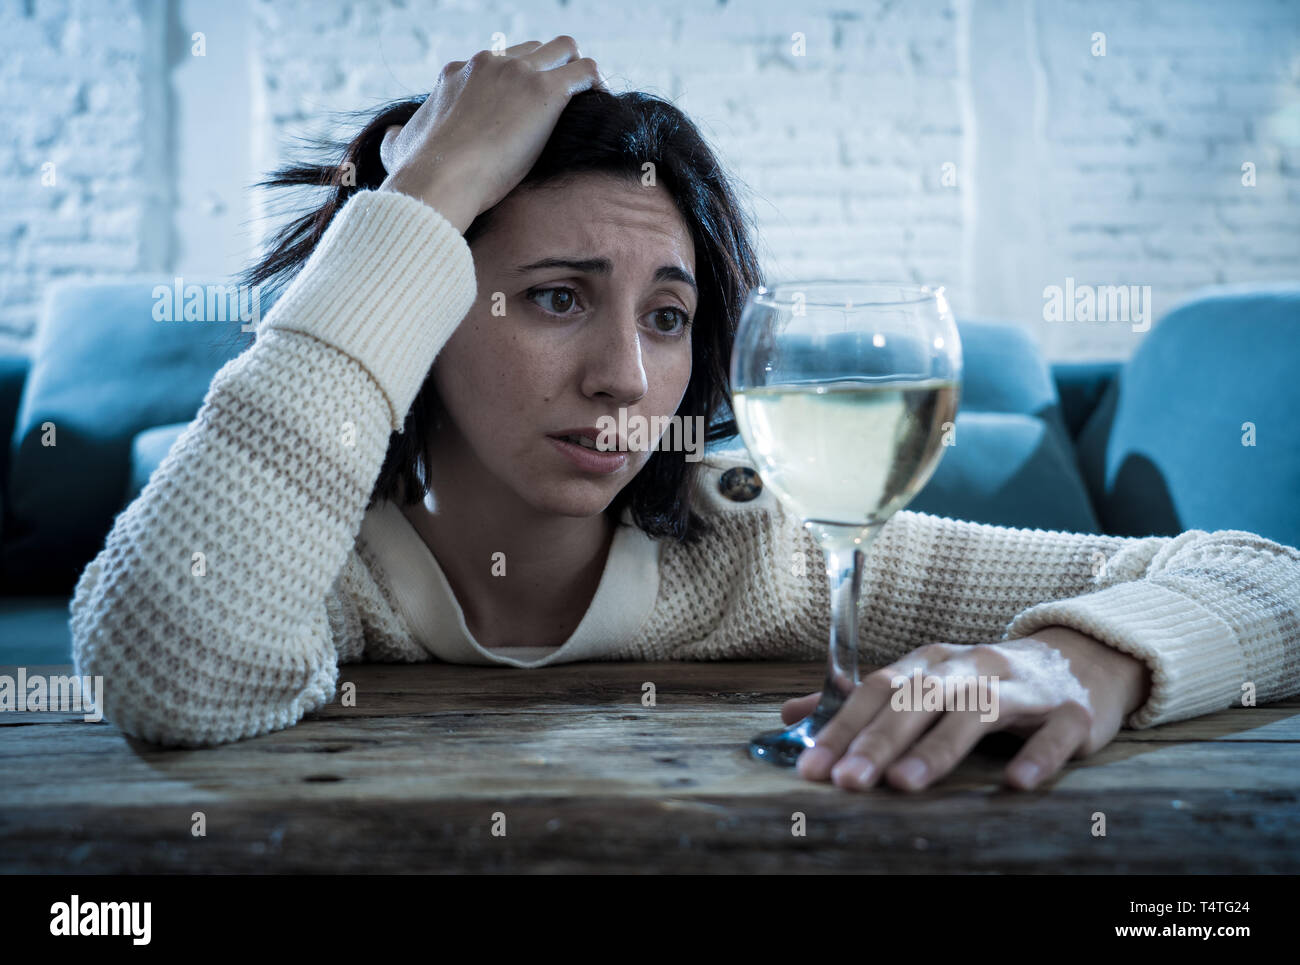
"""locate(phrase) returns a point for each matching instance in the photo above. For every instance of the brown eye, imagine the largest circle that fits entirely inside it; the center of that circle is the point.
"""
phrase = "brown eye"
(562, 299)
(682, 322)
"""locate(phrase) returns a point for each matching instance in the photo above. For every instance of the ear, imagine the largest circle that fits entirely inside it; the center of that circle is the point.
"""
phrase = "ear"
(387, 150)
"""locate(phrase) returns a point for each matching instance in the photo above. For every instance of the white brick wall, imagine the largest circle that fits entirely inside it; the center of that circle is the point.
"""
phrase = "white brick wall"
(79, 89)
(1137, 155)
(1122, 169)
(834, 190)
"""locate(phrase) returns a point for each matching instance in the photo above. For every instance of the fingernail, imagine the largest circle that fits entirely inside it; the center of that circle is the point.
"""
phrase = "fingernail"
(864, 775)
(912, 770)
(1026, 772)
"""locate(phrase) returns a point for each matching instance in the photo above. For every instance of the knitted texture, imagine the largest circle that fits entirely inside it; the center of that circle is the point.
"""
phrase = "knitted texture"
(229, 592)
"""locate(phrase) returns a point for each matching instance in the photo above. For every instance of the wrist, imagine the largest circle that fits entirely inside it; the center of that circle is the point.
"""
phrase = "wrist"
(443, 192)
(1098, 663)
(355, 296)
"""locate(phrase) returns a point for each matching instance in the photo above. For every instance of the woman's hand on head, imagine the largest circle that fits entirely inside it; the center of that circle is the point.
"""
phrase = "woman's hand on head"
(1065, 691)
(484, 125)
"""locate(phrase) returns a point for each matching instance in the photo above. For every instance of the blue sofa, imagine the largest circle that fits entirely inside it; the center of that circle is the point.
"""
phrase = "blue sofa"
(1154, 446)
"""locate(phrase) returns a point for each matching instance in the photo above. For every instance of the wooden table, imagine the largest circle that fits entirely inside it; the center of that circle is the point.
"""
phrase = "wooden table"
(413, 778)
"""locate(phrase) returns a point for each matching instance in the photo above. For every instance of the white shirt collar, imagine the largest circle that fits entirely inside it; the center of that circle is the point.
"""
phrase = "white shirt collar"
(624, 598)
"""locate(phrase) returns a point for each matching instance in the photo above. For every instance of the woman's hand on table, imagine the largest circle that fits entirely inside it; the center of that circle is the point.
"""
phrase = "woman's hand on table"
(1065, 691)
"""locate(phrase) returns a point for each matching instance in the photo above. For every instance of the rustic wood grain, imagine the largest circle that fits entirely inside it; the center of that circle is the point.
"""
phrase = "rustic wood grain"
(588, 779)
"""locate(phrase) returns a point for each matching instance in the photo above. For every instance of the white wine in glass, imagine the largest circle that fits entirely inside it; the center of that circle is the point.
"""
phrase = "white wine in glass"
(843, 392)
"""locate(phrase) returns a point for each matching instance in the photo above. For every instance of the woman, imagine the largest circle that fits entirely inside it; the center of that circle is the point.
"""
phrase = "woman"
(384, 474)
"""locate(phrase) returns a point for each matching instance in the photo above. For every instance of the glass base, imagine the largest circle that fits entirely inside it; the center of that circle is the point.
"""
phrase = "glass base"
(783, 747)
(844, 547)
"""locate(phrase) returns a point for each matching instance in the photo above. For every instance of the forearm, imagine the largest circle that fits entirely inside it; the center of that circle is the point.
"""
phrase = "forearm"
(1214, 615)
(931, 578)
(206, 610)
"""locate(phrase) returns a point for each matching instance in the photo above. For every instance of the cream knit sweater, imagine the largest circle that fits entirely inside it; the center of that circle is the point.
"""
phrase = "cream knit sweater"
(230, 590)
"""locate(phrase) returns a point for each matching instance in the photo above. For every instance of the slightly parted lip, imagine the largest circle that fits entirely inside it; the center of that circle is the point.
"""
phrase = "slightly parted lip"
(591, 432)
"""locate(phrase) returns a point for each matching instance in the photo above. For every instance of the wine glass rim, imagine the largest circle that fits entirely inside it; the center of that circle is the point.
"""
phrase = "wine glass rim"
(919, 293)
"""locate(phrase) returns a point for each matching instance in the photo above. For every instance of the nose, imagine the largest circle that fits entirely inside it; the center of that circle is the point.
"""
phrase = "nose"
(613, 364)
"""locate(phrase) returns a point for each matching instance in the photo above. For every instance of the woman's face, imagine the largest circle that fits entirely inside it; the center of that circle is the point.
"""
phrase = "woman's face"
(552, 347)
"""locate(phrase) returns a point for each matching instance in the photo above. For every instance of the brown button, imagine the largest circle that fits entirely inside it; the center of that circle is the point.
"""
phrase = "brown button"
(740, 484)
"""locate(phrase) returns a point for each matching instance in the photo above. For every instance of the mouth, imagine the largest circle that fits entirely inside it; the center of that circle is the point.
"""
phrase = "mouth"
(589, 438)
(584, 452)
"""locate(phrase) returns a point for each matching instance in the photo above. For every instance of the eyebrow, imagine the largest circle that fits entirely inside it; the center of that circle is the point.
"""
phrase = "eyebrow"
(603, 266)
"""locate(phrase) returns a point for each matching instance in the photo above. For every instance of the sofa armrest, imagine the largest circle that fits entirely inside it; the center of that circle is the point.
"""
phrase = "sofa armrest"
(1080, 386)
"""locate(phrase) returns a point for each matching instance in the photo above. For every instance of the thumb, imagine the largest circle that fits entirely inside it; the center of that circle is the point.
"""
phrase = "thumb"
(797, 708)
(387, 148)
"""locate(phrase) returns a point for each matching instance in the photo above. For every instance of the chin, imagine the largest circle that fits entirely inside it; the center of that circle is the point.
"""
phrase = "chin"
(578, 505)
(576, 497)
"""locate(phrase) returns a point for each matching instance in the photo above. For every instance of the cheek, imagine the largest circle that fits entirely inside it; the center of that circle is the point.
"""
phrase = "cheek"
(673, 377)
(491, 378)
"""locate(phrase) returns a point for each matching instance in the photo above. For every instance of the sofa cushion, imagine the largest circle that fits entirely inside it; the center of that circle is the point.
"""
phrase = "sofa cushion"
(1164, 451)
(1004, 371)
(102, 370)
(147, 452)
(1009, 470)
(1013, 461)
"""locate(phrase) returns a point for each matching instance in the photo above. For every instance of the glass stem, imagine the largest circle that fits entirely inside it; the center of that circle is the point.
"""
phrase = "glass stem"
(845, 560)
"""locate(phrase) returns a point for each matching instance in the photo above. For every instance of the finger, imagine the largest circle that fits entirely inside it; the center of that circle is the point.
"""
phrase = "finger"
(580, 75)
(939, 751)
(890, 734)
(834, 738)
(553, 53)
(797, 708)
(386, 146)
(1049, 748)
(518, 50)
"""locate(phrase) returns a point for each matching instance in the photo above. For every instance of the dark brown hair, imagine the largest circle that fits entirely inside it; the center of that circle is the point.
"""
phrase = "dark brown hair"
(598, 131)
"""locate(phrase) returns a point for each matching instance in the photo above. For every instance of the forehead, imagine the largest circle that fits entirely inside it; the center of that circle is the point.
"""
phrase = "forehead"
(591, 214)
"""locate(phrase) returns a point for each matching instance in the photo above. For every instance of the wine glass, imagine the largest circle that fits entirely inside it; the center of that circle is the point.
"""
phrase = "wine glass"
(845, 393)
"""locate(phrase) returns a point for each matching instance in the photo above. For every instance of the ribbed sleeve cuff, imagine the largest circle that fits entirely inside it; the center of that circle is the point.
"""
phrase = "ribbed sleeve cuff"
(387, 283)
(1195, 659)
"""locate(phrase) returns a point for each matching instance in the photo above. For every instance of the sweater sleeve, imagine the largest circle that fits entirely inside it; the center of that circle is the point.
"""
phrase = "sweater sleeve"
(208, 610)
(1212, 614)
